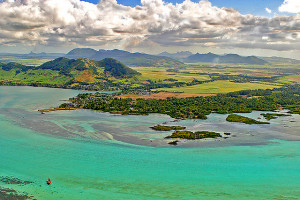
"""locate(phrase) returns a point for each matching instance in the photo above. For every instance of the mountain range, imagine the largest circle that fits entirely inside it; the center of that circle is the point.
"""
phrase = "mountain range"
(141, 59)
(177, 56)
(228, 58)
(133, 59)
(280, 60)
(33, 55)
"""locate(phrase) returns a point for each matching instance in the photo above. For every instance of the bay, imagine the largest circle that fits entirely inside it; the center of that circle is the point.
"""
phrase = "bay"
(95, 155)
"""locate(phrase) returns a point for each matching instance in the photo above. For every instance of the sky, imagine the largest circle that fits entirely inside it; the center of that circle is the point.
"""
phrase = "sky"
(244, 6)
(246, 27)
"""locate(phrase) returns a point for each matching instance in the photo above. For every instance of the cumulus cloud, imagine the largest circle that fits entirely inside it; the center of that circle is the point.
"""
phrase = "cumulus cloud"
(269, 10)
(290, 6)
(155, 22)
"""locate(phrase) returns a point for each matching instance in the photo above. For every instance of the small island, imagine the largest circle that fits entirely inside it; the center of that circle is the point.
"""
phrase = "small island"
(167, 128)
(242, 119)
(269, 116)
(173, 142)
(189, 135)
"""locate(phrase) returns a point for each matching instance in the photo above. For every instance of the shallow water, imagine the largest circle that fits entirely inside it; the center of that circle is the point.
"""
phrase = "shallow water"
(95, 155)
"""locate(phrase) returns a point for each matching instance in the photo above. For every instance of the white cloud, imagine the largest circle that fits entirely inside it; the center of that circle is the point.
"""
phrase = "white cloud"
(290, 6)
(268, 10)
(75, 22)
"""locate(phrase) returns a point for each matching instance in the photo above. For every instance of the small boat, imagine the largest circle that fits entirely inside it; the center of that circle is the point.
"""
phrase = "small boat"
(48, 181)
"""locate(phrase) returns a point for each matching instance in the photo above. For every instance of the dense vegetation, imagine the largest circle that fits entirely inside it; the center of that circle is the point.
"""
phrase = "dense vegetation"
(116, 68)
(242, 119)
(194, 135)
(196, 107)
(110, 66)
(269, 116)
(13, 65)
(294, 109)
(62, 72)
(167, 128)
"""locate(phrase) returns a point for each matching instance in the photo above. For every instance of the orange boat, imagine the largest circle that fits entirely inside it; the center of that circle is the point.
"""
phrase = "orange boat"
(48, 181)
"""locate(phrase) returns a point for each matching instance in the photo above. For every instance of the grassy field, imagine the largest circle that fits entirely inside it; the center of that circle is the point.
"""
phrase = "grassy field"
(34, 76)
(218, 87)
(29, 62)
(250, 70)
(290, 79)
(161, 74)
(230, 65)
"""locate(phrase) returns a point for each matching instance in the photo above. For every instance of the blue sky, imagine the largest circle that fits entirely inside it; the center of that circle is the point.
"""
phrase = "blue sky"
(256, 7)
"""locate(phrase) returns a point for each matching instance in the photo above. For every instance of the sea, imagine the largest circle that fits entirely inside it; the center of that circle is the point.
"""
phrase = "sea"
(95, 155)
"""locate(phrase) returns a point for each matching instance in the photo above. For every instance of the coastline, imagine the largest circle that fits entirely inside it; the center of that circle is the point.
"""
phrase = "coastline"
(157, 139)
(40, 123)
(56, 109)
(90, 154)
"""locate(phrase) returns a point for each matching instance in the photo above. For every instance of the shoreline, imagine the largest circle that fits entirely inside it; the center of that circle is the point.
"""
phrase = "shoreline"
(237, 138)
(56, 109)
(158, 141)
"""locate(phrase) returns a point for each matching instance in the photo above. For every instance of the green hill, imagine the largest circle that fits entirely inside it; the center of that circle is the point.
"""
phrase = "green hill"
(116, 68)
(109, 66)
(66, 66)
(64, 72)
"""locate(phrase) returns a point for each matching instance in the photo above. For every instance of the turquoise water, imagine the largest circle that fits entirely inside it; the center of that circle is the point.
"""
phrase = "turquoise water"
(94, 155)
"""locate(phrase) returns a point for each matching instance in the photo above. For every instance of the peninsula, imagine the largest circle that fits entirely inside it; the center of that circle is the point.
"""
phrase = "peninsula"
(195, 107)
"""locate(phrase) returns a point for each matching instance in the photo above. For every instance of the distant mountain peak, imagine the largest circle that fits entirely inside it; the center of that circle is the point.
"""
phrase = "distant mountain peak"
(135, 59)
(81, 52)
(227, 58)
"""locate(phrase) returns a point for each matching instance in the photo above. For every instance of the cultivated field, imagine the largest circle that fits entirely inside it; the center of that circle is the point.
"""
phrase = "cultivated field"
(164, 95)
(218, 87)
(24, 61)
(290, 79)
(161, 74)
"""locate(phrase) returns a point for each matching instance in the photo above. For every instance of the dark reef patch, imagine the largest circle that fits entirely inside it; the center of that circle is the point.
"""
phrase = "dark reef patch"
(10, 194)
(13, 180)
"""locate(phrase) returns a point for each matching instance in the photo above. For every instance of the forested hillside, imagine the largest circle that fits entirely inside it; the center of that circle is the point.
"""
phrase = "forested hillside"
(64, 72)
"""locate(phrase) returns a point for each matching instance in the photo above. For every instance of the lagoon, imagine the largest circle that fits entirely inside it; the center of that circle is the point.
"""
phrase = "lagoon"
(96, 155)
